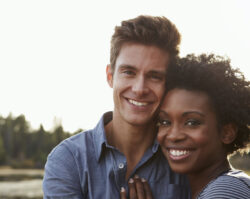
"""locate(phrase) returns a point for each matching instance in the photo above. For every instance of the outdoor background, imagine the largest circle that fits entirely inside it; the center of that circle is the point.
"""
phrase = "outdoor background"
(53, 55)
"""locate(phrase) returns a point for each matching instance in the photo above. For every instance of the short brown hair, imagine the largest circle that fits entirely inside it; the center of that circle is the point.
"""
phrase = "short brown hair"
(147, 30)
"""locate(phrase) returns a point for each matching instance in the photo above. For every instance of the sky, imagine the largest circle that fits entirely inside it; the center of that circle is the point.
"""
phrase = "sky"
(53, 53)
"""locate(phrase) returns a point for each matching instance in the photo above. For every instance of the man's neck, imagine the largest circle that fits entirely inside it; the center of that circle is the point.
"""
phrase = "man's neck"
(132, 141)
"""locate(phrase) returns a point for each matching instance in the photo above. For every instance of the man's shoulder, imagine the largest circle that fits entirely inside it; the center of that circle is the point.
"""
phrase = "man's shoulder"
(74, 145)
(79, 138)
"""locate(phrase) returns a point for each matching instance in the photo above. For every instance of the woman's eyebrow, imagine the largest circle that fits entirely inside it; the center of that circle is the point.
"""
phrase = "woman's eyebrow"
(193, 112)
(162, 112)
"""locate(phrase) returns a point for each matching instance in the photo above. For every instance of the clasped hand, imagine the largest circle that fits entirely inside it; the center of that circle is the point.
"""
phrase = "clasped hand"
(138, 189)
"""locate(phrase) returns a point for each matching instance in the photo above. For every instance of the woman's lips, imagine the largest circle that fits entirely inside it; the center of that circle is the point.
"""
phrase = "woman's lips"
(179, 154)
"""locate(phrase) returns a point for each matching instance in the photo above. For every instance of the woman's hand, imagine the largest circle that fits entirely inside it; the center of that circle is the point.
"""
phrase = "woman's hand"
(138, 189)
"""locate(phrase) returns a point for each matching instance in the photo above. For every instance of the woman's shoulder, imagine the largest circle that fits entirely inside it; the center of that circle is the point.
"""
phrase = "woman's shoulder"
(236, 176)
(232, 184)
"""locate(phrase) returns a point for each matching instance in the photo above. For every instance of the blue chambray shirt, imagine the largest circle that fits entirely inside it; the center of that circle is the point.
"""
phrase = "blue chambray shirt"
(84, 166)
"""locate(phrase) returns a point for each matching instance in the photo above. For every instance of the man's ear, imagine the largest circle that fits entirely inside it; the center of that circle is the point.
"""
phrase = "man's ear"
(229, 133)
(109, 74)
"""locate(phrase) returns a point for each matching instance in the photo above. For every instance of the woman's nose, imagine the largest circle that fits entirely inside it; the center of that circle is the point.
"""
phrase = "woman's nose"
(173, 134)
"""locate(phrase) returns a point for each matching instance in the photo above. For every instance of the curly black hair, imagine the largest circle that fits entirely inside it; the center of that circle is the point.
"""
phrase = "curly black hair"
(227, 88)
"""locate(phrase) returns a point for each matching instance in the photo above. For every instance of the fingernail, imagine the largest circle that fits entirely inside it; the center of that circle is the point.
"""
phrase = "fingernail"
(131, 180)
(122, 189)
(136, 176)
(143, 180)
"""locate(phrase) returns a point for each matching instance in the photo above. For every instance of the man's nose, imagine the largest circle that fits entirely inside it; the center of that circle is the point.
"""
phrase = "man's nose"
(140, 86)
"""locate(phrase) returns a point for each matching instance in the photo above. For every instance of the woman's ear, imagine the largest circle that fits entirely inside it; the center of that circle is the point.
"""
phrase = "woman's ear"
(229, 133)
(109, 74)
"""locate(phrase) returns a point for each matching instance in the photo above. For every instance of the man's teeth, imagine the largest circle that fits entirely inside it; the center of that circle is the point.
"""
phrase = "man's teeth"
(137, 103)
(178, 152)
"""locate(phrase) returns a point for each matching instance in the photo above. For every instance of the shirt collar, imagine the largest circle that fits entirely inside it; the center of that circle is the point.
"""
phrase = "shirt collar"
(99, 134)
(155, 146)
(100, 140)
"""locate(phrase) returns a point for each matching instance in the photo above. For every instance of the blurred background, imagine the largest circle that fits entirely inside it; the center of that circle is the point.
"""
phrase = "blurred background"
(53, 55)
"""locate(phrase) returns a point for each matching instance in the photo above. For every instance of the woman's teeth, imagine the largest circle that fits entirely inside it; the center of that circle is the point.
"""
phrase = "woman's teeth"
(178, 152)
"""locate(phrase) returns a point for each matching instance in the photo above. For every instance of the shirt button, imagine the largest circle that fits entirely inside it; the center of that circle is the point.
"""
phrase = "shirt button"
(121, 166)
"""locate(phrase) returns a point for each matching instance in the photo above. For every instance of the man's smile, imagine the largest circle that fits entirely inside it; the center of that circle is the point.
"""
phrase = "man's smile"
(137, 103)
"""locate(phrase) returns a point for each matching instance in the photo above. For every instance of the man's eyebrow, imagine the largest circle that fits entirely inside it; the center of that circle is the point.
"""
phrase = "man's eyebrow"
(158, 72)
(152, 72)
(125, 66)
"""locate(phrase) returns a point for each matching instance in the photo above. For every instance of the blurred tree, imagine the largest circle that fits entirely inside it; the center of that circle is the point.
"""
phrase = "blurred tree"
(20, 129)
(2, 151)
(22, 147)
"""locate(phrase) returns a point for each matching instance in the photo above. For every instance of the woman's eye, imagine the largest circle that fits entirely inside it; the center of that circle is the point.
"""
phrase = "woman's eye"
(193, 123)
(163, 123)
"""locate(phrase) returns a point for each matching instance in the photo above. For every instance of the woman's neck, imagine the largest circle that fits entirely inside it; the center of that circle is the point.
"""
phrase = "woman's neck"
(199, 180)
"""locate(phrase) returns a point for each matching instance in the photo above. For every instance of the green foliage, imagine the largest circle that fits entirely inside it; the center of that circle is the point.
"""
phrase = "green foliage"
(241, 161)
(22, 147)
(2, 151)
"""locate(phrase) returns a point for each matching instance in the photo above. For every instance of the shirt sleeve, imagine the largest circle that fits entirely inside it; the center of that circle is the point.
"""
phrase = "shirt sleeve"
(61, 177)
(227, 187)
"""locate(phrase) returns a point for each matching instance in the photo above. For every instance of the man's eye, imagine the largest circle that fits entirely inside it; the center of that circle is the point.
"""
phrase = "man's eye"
(192, 123)
(163, 123)
(129, 72)
(156, 77)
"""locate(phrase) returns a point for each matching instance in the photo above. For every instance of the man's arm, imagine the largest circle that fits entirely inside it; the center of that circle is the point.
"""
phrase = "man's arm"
(62, 178)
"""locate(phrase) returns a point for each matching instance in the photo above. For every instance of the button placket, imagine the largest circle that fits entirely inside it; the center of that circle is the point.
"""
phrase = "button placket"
(121, 166)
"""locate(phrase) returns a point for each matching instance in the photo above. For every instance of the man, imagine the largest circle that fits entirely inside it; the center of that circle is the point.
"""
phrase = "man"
(95, 164)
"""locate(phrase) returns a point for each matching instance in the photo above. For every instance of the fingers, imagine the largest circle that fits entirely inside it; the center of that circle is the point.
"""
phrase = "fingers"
(132, 189)
(139, 188)
(147, 189)
(122, 193)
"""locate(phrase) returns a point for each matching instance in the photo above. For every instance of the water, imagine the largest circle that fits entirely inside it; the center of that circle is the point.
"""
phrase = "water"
(21, 184)
(21, 189)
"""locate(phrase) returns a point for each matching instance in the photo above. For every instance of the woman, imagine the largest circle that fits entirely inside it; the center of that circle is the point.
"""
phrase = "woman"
(205, 117)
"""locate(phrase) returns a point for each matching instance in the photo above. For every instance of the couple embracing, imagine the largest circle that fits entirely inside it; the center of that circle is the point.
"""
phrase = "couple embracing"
(174, 122)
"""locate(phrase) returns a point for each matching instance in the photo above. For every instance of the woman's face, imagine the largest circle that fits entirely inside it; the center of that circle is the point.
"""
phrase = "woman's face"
(188, 132)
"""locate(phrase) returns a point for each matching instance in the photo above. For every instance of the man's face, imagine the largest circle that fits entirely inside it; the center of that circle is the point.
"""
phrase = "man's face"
(138, 82)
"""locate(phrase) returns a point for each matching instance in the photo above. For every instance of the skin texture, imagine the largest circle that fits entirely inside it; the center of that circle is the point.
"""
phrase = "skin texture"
(140, 78)
(190, 137)
(139, 189)
(138, 83)
(188, 125)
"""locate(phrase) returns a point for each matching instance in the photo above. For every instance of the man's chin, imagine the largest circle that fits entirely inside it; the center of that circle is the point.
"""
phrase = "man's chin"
(138, 121)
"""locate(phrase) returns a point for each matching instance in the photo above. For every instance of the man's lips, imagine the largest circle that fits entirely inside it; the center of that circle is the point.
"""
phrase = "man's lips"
(138, 103)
